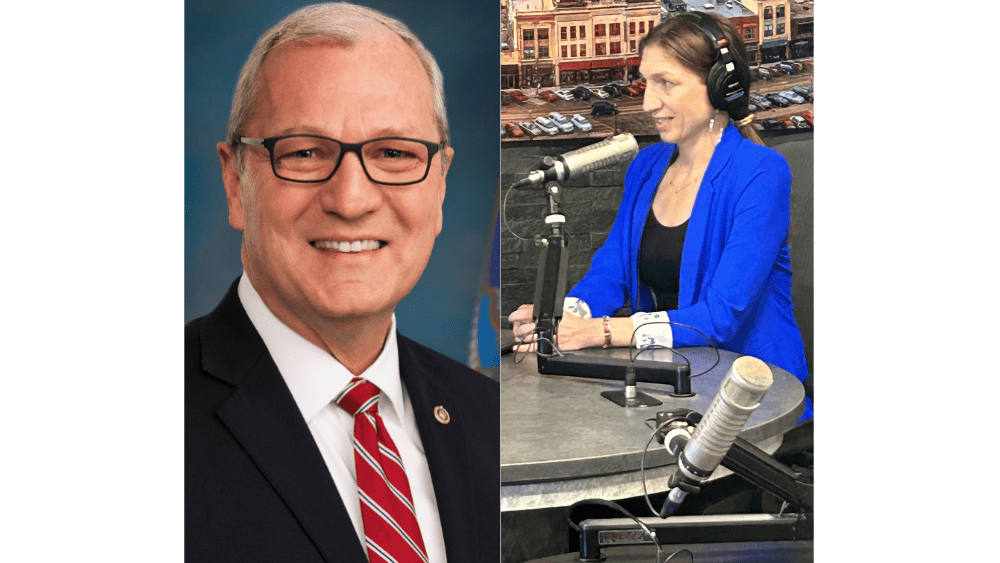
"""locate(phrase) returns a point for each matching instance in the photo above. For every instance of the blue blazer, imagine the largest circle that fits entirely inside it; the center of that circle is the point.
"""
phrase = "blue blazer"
(735, 275)
(256, 486)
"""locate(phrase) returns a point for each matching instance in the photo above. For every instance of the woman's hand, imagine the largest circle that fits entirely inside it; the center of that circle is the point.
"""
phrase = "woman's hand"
(524, 327)
(574, 331)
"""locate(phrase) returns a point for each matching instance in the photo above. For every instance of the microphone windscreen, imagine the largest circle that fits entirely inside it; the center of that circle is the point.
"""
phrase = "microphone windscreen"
(741, 392)
(621, 147)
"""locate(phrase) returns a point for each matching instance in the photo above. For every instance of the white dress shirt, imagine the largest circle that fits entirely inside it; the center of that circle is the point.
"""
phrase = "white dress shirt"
(315, 377)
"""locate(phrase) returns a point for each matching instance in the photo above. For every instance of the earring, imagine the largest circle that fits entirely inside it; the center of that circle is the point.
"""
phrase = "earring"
(711, 122)
(711, 129)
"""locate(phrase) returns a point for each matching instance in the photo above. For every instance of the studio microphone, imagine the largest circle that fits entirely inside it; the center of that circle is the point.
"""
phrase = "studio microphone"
(741, 392)
(612, 150)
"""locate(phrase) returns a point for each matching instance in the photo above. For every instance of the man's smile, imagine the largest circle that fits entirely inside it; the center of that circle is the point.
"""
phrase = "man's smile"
(348, 246)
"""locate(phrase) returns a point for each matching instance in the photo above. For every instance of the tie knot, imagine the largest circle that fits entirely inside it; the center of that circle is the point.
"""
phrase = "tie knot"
(359, 396)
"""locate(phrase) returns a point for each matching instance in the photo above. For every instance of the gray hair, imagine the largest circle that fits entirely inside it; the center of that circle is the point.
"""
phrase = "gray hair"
(339, 22)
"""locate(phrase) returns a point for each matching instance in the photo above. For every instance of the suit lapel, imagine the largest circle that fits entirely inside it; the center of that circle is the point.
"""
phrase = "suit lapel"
(448, 455)
(264, 419)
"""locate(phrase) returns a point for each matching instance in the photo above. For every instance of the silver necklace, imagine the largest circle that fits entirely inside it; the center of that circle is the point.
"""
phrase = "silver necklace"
(678, 189)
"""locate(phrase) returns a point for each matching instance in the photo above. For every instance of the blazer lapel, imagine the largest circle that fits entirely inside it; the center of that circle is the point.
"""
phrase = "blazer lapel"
(692, 267)
(448, 455)
(694, 242)
(264, 419)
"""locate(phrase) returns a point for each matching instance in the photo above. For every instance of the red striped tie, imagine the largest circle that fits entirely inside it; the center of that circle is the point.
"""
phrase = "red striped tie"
(391, 530)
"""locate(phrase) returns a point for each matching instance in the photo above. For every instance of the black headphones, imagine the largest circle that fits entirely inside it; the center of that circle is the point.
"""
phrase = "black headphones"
(728, 80)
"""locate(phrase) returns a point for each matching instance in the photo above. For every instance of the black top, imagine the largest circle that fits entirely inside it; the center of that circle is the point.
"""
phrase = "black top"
(660, 260)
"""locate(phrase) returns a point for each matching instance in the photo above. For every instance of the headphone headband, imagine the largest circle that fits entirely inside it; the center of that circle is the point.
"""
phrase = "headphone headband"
(709, 27)
(728, 80)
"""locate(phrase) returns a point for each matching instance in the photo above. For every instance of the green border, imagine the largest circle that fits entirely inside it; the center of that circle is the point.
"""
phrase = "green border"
(93, 138)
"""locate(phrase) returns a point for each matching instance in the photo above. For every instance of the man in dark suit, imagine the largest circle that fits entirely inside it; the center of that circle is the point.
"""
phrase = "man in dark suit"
(336, 175)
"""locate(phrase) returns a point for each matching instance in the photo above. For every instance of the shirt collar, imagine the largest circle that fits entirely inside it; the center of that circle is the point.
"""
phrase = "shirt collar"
(313, 375)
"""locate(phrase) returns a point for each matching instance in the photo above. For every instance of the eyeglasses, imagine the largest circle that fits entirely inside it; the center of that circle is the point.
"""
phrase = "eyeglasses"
(393, 161)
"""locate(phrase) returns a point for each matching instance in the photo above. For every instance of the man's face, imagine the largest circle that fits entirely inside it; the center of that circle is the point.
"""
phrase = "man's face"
(375, 88)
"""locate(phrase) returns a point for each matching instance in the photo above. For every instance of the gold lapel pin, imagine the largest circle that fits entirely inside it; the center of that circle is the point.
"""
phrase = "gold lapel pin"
(442, 415)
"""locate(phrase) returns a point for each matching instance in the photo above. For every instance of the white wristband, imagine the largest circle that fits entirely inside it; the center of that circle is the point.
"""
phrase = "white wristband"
(577, 306)
(659, 333)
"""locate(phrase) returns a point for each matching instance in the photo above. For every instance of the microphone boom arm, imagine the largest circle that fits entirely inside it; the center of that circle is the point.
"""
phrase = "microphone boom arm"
(749, 462)
(759, 468)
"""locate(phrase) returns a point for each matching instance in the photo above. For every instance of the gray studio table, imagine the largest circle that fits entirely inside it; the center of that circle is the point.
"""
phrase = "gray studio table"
(561, 441)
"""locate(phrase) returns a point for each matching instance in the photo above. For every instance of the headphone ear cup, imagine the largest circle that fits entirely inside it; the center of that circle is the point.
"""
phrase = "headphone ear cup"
(724, 84)
(721, 83)
(716, 82)
(740, 107)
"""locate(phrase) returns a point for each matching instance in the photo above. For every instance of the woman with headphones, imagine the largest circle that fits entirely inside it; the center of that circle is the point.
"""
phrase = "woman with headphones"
(701, 237)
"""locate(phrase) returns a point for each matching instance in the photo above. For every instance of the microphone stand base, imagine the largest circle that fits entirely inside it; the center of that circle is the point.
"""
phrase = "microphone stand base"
(640, 400)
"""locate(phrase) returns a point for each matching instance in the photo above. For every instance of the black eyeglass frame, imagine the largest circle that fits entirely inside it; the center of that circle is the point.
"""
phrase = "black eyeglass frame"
(270, 142)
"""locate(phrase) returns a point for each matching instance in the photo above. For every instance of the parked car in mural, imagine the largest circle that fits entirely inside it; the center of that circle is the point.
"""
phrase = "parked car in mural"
(640, 84)
(614, 90)
(778, 100)
(599, 93)
(546, 125)
(565, 94)
(582, 93)
(603, 108)
(530, 128)
(792, 96)
(804, 91)
(631, 90)
(518, 95)
(581, 122)
(799, 122)
(761, 101)
(787, 68)
(808, 116)
(772, 124)
(548, 95)
(561, 122)
(513, 129)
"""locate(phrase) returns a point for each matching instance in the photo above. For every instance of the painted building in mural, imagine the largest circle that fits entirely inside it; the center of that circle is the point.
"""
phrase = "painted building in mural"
(555, 43)
(801, 41)
(773, 30)
(547, 43)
